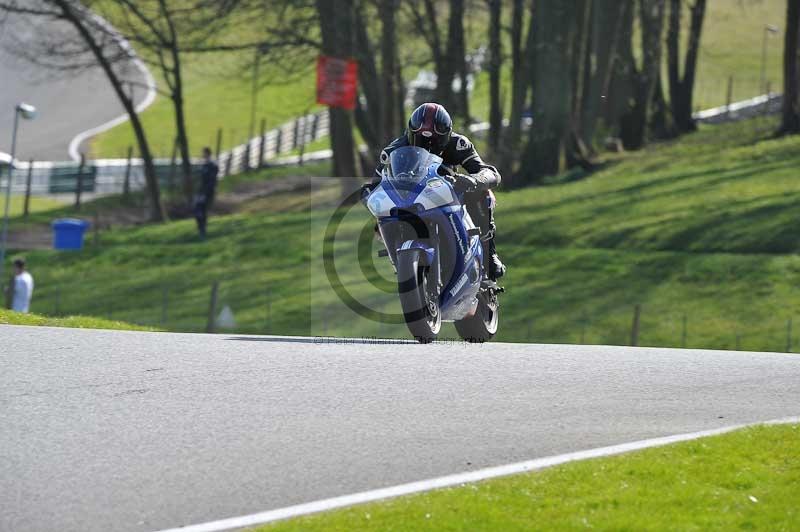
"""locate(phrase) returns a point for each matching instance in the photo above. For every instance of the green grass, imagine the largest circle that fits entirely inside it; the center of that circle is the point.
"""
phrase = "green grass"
(217, 96)
(8, 317)
(218, 86)
(700, 232)
(37, 204)
(745, 480)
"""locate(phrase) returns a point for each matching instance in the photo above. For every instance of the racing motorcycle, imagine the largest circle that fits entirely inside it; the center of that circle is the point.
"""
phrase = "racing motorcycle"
(434, 247)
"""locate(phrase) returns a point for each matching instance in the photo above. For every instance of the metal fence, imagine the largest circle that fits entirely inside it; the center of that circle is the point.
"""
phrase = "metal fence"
(114, 176)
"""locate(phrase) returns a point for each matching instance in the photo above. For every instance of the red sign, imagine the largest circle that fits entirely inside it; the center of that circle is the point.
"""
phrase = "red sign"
(337, 81)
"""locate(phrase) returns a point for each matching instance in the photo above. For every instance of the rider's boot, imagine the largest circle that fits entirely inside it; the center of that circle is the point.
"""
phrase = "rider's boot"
(494, 266)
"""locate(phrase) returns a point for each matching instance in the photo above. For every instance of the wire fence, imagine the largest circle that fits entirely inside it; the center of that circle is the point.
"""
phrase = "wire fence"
(255, 301)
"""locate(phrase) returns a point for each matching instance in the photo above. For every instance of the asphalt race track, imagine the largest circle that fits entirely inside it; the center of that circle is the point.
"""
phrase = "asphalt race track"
(68, 103)
(106, 430)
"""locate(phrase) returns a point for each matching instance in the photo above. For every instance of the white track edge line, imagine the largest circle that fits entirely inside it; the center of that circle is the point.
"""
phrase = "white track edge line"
(457, 479)
(148, 99)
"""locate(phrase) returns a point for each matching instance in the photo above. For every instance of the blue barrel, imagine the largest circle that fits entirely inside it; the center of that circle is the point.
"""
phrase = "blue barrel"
(68, 233)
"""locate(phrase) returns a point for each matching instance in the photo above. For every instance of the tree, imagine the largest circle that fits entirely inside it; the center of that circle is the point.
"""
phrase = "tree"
(790, 121)
(92, 37)
(607, 17)
(553, 25)
(166, 30)
(495, 64)
(334, 17)
(449, 60)
(681, 88)
(522, 65)
(633, 127)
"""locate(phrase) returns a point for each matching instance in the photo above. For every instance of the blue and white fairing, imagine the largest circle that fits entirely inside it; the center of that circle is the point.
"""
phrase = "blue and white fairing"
(417, 209)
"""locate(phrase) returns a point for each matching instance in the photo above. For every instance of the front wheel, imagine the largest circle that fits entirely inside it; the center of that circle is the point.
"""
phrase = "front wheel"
(420, 306)
(481, 326)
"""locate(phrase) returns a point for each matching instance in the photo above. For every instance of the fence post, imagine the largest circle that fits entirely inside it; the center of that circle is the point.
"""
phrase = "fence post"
(126, 185)
(247, 152)
(296, 134)
(262, 145)
(729, 97)
(28, 189)
(583, 328)
(172, 165)
(164, 303)
(212, 308)
(769, 93)
(229, 164)
(79, 186)
(219, 143)
(302, 140)
(278, 141)
(269, 310)
(314, 126)
(683, 335)
(96, 228)
(637, 310)
(789, 336)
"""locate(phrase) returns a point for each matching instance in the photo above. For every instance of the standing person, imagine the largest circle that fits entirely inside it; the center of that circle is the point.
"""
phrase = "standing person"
(22, 287)
(208, 185)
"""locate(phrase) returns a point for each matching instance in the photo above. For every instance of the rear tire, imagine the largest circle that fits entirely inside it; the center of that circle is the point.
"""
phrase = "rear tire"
(481, 326)
(420, 308)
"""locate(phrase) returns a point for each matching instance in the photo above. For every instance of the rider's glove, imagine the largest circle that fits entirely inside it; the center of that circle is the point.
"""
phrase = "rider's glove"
(463, 182)
(366, 190)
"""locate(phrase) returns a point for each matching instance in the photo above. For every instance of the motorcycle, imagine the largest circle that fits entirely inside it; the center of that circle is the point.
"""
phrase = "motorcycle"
(434, 247)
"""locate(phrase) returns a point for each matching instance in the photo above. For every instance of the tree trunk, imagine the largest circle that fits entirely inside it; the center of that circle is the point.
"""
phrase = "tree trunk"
(495, 63)
(661, 122)
(177, 102)
(337, 18)
(578, 154)
(544, 153)
(157, 212)
(454, 62)
(681, 88)
(620, 90)
(607, 17)
(370, 121)
(790, 122)
(389, 70)
(634, 122)
(522, 65)
(183, 142)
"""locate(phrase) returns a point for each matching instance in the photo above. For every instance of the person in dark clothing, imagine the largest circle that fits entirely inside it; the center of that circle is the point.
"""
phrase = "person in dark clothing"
(430, 127)
(205, 197)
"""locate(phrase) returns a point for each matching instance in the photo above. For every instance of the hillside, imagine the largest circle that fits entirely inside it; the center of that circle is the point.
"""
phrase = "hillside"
(699, 232)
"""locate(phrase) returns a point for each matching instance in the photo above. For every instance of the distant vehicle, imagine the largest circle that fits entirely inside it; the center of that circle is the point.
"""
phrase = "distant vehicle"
(434, 247)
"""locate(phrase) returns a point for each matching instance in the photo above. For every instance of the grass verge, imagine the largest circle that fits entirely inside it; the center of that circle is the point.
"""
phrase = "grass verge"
(8, 317)
(745, 480)
(699, 232)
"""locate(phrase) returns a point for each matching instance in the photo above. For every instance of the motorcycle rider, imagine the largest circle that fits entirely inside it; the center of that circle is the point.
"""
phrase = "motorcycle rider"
(430, 127)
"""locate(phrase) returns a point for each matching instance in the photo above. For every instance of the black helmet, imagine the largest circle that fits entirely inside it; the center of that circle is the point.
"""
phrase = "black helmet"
(430, 127)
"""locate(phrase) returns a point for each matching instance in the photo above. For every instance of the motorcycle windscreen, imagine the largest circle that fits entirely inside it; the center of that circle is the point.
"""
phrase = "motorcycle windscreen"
(408, 166)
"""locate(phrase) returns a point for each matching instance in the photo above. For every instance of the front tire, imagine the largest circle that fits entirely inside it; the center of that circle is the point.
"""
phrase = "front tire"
(481, 326)
(420, 306)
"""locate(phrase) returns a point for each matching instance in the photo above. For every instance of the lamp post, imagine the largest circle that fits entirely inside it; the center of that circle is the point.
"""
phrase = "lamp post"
(27, 112)
(768, 29)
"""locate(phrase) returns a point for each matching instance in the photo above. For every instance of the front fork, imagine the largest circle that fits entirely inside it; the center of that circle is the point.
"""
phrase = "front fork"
(407, 232)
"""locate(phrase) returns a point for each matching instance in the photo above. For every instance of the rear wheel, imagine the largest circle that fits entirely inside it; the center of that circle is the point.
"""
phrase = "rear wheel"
(481, 326)
(420, 305)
